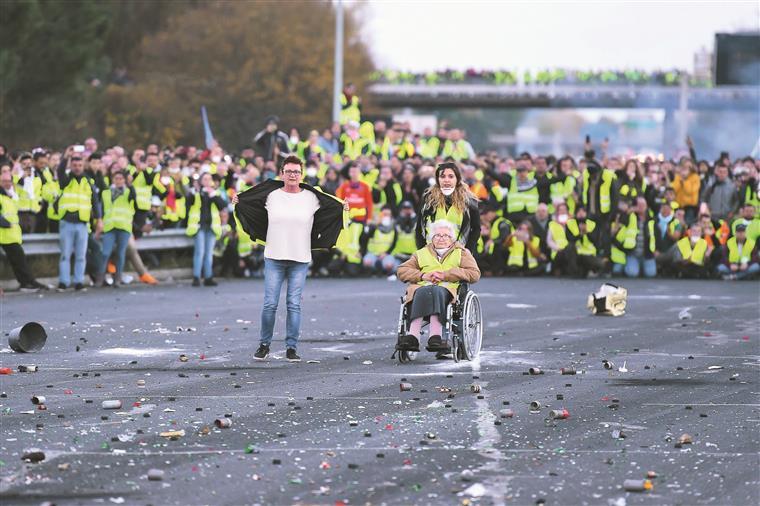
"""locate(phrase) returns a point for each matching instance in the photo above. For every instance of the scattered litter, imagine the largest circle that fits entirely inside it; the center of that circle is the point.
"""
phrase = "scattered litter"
(623, 368)
(568, 371)
(475, 490)
(684, 314)
(715, 367)
(609, 300)
(155, 475)
(183, 358)
(6, 370)
(534, 371)
(637, 485)
(607, 364)
(34, 455)
(475, 388)
(405, 387)
(535, 405)
(28, 338)
(27, 368)
(618, 434)
(223, 423)
(559, 414)
(367, 362)
(685, 439)
(173, 433)
(111, 404)
(38, 399)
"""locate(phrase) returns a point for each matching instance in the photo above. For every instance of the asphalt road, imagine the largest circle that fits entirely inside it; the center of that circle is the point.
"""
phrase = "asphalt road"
(340, 430)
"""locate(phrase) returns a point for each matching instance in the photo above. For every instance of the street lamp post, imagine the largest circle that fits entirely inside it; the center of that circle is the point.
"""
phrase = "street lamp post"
(338, 76)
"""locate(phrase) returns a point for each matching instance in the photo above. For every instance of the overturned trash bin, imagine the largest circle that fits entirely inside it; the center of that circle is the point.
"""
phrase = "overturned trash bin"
(610, 300)
(28, 338)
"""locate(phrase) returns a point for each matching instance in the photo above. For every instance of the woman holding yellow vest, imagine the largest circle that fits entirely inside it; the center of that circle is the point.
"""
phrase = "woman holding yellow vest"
(205, 225)
(434, 273)
(450, 199)
(118, 212)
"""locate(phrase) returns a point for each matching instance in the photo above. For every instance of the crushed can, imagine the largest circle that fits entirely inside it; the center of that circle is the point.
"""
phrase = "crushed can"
(607, 364)
(637, 485)
(38, 399)
(568, 371)
(475, 388)
(405, 387)
(27, 368)
(223, 423)
(559, 414)
(535, 405)
(534, 371)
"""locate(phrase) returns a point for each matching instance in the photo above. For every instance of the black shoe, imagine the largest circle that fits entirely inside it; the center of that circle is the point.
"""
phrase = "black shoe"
(262, 352)
(292, 355)
(61, 286)
(78, 287)
(196, 281)
(41, 286)
(210, 282)
(408, 343)
(435, 343)
(28, 288)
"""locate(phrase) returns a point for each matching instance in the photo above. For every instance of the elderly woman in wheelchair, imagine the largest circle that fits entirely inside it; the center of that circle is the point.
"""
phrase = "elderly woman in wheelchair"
(438, 275)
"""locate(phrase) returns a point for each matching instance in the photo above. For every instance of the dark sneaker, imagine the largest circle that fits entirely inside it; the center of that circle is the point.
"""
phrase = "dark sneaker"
(408, 343)
(292, 355)
(61, 286)
(78, 287)
(262, 352)
(210, 282)
(196, 281)
(41, 286)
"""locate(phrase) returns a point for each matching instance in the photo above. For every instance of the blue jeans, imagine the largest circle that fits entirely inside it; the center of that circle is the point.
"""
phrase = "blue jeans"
(635, 264)
(120, 239)
(203, 254)
(72, 239)
(275, 274)
(387, 265)
(752, 269)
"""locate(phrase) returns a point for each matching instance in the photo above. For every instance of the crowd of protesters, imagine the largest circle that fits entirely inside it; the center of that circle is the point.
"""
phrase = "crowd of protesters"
(589, 215)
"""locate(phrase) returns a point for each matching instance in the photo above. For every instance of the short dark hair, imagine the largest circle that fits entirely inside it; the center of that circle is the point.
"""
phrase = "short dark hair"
(291, 159)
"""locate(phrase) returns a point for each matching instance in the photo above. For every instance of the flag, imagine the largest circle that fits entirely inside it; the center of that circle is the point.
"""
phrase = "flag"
(207, 128)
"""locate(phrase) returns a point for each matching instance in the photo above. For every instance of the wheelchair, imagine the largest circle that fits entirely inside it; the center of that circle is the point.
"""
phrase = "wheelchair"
(463, 329)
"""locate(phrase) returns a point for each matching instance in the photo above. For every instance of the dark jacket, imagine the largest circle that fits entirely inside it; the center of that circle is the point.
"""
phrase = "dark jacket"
(252, 213)
(469, 232)
(266, 141)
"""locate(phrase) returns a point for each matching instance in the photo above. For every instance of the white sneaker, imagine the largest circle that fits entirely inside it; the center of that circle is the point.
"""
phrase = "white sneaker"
(392, 277)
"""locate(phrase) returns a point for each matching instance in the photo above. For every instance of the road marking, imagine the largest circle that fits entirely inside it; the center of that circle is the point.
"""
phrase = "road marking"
(699, 404)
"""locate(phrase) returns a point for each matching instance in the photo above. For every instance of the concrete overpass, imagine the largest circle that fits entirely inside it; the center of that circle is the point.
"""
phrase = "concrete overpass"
(466, 95)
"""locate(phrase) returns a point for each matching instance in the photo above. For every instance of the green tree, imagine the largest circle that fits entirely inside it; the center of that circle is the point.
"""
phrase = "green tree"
(243, 60)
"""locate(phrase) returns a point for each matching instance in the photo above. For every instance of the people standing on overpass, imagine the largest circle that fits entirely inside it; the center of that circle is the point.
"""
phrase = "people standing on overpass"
(450, 199)
(292, 218)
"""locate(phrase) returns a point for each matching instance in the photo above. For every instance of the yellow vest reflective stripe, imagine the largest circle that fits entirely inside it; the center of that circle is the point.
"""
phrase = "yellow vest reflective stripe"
(76, 198)
(751, 197)
(349, 243)
(518, 201)
(605, 187)
(563, 190)
(429, 262)
(353, 148)
(627, 236)
(405, 243)
(517, 253)
(584, 245)
(349, 111)
(244, 244)
(9, 210)
(733, 251)
(25, 202)
(696, 254)
(194, 219)
(429, 147)
(380, 242)
(118, 214)
(558, 235)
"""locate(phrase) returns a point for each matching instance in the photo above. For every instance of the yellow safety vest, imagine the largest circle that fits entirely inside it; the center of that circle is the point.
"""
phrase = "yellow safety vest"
(429, 262)
(517, 252)
(143, 190)
(627, 236)
(733, 251)
(194, 220)
(584, 245)
(518, 201)
(349, 111)
(456, 151)
(349, 243)
(429, 147)
(245, 243)
(50, 192)
(380, 242)
(605, 188)
(118, 214)
(559, 236)
(696, 254)
(76, 198)
(353, 148)
(25, 202)
(453, 215)
(495, 234)
(563, 190)
(9, 211)
(405, 243)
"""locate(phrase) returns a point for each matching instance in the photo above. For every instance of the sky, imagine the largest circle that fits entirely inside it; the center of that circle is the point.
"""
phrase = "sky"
(417, 35)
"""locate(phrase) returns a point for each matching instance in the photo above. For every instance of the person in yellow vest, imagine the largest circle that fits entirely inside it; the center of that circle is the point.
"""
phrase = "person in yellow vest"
(386, 191)
(456, 147)
(434, 273)
(583, 237)
(347, 257)
(29, 190)
(450, 199)
(50, 192)
(205, 226)
(353, 145)
(740, 260)
(522, 196)
(400, 146)
(174, 203)
(350, 105)
(118, 212)
(378, 242)
(557, 242)
(405, 241)
(641, 259)
(77, 205)
(495, 230)
(146, 181)
(429, 144)
(10, 236)
(563, 186)
(749, 217)
(524, 256)
(599, 197)
(623, 230)
(689, 257)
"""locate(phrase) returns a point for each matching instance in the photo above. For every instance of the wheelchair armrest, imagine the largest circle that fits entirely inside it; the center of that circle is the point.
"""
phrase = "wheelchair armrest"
(462, 291)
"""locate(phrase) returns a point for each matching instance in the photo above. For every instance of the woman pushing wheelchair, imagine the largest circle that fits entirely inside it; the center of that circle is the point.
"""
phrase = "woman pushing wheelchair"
(434, 274)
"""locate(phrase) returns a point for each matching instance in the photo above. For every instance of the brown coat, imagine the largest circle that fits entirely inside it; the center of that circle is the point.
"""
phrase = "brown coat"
(467, 272)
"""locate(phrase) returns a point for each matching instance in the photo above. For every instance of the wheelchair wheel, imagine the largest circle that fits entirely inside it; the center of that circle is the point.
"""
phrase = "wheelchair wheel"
(472, 326)
(456, 350)
(406, 356)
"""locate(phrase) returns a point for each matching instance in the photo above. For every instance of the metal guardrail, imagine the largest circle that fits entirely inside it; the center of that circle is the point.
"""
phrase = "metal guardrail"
(47, 244)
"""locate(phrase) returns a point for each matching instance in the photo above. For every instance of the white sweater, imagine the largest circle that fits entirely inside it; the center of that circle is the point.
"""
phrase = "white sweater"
(291, 216)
